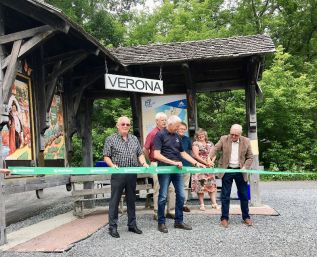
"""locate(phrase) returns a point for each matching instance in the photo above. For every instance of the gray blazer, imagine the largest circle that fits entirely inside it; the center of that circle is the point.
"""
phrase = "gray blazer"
(245, 153)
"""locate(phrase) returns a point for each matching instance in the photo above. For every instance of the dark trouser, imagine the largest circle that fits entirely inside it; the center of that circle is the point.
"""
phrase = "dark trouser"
(242, 187)
(118, 183)
(178, 182)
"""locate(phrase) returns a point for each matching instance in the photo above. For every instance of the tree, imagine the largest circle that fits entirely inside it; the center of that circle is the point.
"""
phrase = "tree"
(286, 117)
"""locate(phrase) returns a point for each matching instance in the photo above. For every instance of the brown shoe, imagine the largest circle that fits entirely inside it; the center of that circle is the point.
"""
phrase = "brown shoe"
(162, 228)
(170, 216)
(186, 209)
(182, 226)
(248, 222)
(224, 223)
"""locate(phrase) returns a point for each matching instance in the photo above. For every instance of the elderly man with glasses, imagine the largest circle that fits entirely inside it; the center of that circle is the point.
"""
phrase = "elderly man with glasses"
(236, 154)
(168, 150)
(123, 150)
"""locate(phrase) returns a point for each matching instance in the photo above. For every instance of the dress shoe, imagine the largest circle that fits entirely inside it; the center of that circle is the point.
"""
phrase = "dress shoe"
(248, 222)
(114, 233)
(224, 223)
(186, 209)
(170, 216)
(183, 226)
(162, 228)
(135, 230)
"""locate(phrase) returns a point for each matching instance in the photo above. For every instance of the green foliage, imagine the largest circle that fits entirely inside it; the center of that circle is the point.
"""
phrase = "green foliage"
(218, 111)
(97, 18)
(178, 21)
(286, 118)
(105, 114)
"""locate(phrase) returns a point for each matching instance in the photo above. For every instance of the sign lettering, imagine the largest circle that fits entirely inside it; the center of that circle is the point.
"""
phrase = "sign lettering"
(134, 84)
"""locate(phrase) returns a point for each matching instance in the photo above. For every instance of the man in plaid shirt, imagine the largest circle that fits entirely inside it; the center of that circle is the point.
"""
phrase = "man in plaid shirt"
(123, 150)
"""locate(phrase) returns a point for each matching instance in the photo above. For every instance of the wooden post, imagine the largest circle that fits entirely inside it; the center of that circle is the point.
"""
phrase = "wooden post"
(85, 113)
(250, 96)
(191, 100)
(3, 235)
(136, 114)
(69, 117)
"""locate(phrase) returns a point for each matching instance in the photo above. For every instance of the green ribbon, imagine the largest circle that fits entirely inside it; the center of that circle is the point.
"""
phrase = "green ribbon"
(135, 170)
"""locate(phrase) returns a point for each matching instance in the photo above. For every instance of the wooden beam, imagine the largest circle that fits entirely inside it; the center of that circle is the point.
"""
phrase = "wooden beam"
(19, 185)
(66, 66)
(62, 57)
(11, 71)
(191, 99)
(220, 85)
(50, 89)
(24, 34)
(28, 45)
(39, 12)
(86, 82)
(252, 73)
(84, 117)
(40, 92)
(3, 234)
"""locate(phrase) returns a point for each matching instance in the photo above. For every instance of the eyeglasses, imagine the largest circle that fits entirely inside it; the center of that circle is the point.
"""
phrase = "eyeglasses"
(125, 124)
(234, 135)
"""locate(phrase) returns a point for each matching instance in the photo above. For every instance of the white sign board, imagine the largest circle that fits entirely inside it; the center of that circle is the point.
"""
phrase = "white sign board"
(133, 84)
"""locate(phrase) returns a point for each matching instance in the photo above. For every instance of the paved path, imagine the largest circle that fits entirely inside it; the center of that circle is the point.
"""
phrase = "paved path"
(293, 233)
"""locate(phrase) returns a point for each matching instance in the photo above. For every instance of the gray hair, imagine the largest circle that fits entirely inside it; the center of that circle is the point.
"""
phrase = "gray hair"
(237, 127)
(201, 131)
(173, 119)
(121, 118)
(160, 115)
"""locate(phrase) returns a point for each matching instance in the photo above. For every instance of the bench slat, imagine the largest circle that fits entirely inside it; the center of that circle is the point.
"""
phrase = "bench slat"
(95, 191)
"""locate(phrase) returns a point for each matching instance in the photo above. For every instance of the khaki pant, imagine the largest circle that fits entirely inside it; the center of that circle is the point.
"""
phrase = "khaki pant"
(156, 189)
(186, 186)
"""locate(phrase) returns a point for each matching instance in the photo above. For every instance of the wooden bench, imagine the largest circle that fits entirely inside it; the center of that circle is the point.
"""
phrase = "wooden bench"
(86, 199)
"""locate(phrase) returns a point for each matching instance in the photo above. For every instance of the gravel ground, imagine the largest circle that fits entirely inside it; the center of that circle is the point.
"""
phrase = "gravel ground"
(293, 233)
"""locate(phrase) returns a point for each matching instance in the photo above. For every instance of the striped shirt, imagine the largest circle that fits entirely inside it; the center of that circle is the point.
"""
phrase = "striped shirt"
(123, 153)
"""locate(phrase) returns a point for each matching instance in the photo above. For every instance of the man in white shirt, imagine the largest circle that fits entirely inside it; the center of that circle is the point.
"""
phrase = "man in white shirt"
(236, 154)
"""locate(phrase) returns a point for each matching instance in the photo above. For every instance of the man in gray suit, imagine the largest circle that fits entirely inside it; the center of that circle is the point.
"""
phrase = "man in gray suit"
(236, 154)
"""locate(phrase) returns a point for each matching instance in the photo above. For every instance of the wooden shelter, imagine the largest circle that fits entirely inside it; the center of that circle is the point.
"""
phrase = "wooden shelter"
(52, 56)
(55, 56)
(204, 66)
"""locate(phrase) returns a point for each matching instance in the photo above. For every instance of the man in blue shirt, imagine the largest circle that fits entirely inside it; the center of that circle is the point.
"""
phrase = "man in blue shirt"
(168, 150)
(187, 146)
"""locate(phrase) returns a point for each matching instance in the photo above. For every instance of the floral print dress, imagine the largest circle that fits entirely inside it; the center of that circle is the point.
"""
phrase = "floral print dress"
(203, 182)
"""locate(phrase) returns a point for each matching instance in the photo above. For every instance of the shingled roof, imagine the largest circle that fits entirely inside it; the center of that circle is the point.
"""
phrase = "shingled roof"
(194, 50)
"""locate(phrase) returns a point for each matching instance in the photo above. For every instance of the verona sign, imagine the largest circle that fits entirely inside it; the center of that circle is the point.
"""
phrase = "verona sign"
(133, 84)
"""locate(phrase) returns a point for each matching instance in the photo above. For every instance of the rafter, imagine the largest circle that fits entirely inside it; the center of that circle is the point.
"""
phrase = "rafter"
(28, 45)
(11, 71)
(24, 34)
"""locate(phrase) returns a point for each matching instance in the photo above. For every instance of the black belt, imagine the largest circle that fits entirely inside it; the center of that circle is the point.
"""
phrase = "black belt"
(233, 168)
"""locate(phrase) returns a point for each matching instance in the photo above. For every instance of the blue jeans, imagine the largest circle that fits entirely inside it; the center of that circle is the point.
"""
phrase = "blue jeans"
(242, 187)
(178, 182)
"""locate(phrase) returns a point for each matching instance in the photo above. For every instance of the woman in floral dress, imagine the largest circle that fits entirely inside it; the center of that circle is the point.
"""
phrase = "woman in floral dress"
(202, 183)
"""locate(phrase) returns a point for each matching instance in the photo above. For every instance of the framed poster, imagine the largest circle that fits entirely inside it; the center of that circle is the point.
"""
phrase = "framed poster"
(54, 137)
(17, 135)
(169, 104)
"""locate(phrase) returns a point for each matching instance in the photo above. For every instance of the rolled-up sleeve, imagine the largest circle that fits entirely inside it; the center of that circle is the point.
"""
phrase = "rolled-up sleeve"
(139, 149)
(107, 147)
